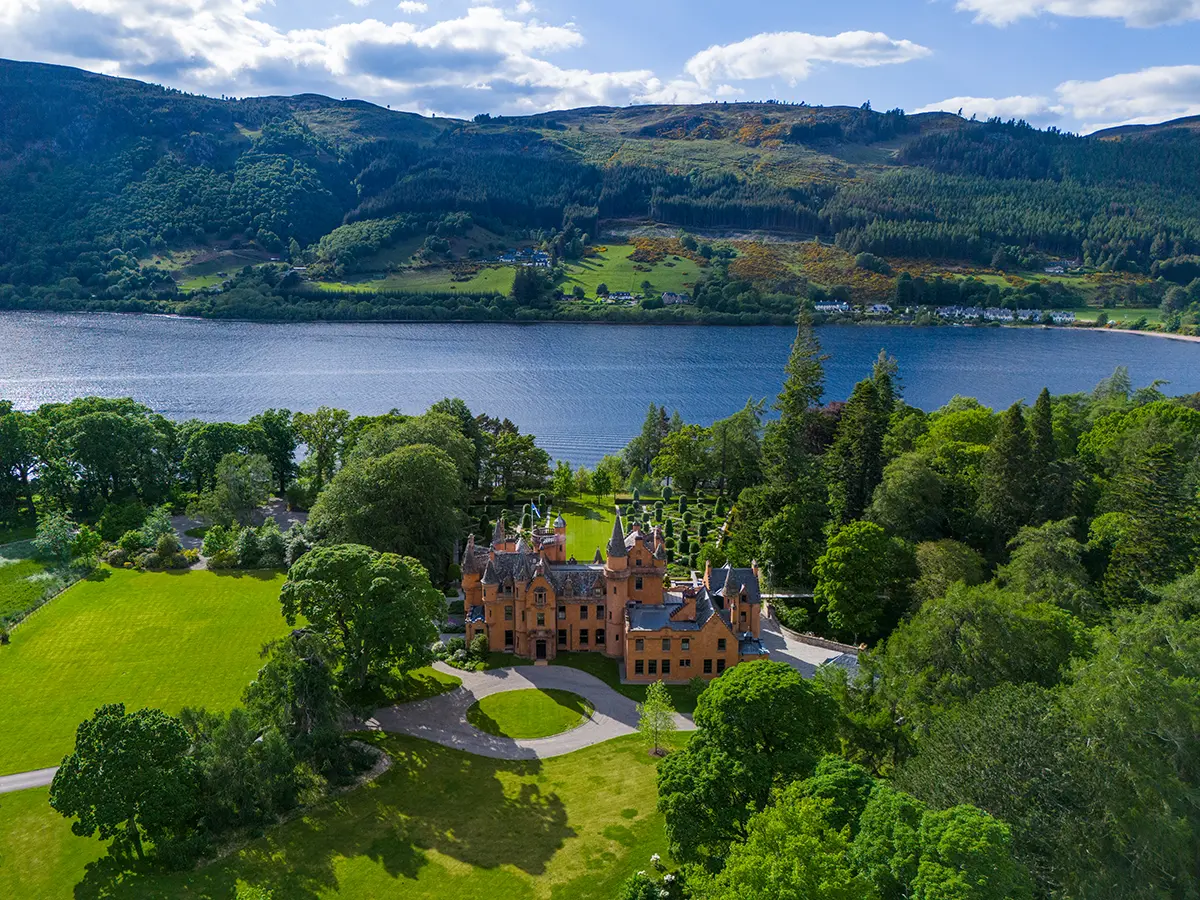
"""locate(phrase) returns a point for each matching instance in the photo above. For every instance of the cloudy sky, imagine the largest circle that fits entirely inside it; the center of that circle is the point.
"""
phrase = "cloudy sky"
(1078, 64)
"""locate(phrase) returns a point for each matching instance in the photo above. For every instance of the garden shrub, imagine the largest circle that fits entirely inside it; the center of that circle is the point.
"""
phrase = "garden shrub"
(479, 646)
(246, 548)
(132, 542)
(119, 518)
(272, 548)
(456, 644)
(456, 607)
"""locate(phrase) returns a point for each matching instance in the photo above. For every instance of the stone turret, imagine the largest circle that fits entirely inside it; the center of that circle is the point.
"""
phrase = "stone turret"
(616, 543)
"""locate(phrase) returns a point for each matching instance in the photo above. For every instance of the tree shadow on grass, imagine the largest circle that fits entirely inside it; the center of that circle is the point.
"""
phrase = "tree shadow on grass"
(257, 574)
(483, 812)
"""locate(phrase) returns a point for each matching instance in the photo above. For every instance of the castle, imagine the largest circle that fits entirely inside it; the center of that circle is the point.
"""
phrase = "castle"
(531, 600)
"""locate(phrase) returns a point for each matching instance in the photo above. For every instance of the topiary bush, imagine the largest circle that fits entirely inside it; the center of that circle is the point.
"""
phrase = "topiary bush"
(479, 646)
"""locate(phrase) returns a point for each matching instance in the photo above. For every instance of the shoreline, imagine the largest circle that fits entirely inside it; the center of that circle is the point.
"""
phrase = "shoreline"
(871, 323)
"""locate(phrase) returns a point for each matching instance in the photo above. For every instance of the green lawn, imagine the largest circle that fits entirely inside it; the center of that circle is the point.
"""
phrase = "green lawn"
(609, 671)
(530, 713)
(22, 579)
(441, 823)
(437, 279)
(145, 639)
(589, 525)
(1153, 316)
(614, 268)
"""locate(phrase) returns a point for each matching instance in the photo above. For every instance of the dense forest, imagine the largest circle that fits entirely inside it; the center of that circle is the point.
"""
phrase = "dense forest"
(98, 176)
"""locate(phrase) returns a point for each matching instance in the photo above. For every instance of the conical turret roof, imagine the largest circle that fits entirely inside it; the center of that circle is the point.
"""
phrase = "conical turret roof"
(498, 534)
(468, 557)
(616, 543)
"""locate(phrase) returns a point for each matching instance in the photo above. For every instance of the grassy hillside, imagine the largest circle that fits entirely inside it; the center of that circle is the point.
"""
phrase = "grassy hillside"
(123, 193)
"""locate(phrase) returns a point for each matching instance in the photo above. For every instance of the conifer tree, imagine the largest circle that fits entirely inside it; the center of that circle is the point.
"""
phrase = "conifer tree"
(1007, 482)
(854, 464)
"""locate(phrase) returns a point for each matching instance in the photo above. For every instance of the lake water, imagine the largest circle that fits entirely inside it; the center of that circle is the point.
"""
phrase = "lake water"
(582, 389)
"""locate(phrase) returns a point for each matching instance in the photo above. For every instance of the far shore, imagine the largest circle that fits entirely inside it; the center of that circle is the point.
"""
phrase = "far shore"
(1190, 338)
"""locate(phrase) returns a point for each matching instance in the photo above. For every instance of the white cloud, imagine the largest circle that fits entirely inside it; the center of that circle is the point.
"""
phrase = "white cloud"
(482, 60)
(791, 55)
(360, 2)
(525, 7)
(1136, 13)
(1016, 107)
(1132, 98)
(410, 6)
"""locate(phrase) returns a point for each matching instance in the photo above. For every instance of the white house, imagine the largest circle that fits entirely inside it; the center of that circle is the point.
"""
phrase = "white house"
(829, 307)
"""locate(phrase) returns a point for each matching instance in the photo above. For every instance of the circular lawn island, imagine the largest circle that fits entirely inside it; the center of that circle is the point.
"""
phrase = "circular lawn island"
(529, 713)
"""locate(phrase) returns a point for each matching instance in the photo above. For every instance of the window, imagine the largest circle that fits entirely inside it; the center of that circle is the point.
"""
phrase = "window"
(583, 637)
(666, 643)
(685, 643)
(720, 643)
(562, 611)
(685, 664)
(720, 666)
(508, 613)
(508, 641)
(562, 637)
(637, 583)
(639, 645)
(582, 613)
(666, 668)
(654, 667)
(639, 562)
(600, 611)
(639, 667)
(541, 620)
(742, 617)
(708, 667)
(539, 596)
(599, 637)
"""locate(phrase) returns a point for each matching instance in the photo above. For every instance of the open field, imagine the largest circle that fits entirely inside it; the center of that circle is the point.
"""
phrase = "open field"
(1153, 316)
(22, 579)
(441, 823)
(435, 279)
(529, 713)
(614, 268)
(167, 640)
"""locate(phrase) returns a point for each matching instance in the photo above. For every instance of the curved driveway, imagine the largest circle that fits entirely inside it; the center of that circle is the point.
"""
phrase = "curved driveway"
(443, 719)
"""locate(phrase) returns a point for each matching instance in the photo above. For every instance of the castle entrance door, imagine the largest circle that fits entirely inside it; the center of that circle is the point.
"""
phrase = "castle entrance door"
(541, 649)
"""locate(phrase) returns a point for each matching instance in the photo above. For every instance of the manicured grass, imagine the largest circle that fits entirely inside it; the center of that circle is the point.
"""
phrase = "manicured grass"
(419, 684)
(589, 525)
(498, 279)
(22, 579)
(615, 269)
(161, 639)
(609, 671)
(529, 714)
(1153, 316)
(441, 823)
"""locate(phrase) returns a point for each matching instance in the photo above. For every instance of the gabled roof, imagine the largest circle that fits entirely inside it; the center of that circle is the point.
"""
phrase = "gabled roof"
(659, 616)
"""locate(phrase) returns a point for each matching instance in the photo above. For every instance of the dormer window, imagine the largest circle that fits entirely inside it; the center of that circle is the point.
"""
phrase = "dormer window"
(539, 596)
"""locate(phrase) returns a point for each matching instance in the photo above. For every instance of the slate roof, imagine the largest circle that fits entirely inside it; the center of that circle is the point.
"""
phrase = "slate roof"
(575, 581)
(510, 567)
(616, 543)
(737, 579)
(657, 616)
(475, 614)
(750, 646)
(847, 661)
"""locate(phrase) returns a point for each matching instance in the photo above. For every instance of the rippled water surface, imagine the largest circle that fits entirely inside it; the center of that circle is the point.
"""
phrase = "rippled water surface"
(582, 389)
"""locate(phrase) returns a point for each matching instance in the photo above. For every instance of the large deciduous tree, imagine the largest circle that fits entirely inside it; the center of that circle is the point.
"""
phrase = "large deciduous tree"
(129, 777)
(862, 580)
(279, 444)
(760, 725)
(405, 502)
(322, 433)
(376, 610)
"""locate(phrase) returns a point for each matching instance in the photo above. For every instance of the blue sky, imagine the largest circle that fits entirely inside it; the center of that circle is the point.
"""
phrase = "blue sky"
(1078, 64)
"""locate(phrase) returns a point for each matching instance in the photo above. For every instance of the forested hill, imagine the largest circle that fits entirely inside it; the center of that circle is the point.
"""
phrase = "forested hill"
(98, 174)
